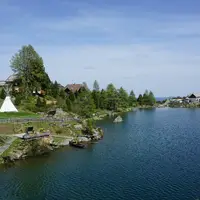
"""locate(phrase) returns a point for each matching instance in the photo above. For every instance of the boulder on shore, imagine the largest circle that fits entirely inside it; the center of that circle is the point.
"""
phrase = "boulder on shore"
(118, 119)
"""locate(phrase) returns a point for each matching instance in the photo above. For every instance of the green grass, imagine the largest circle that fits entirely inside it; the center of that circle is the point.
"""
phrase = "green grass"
(10, 115)
(15, 145)
(58, 139)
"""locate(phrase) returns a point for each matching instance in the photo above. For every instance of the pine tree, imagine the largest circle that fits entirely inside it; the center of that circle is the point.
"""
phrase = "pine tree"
(145, 98)
(96, 98)
(112, 97)
(123, 98)
(84, 104)
(69, 104)
(62, 94)
(152, 99)
(96, 86)
(72, 96)
(85, 85)
(140, 100)
(132, 99)
(55, 89)
(103, 100)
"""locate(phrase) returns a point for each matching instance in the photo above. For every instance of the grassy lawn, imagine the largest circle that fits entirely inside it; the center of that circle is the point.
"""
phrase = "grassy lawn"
(18, 115)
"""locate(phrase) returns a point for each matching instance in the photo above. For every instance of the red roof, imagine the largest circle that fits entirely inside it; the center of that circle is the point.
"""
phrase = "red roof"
(74, 87)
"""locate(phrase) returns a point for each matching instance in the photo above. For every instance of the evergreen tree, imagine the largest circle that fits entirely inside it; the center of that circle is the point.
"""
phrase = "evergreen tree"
(112, 97)
(62, 94)
(3, 94)
(152, 99)
(145, 98)
(132, 99)
(123, 98)
(69, 104)
(103, 100)
(140, 100)
(96, 86)
(96, 98)
(84, 105)
(55, 89)
(85, 85)
(72, 96)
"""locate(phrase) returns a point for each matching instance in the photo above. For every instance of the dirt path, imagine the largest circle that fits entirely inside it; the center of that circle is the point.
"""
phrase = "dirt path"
(7, 145)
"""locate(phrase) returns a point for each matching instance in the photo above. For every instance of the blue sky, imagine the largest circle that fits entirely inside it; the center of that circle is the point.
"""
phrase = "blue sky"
(137, 44)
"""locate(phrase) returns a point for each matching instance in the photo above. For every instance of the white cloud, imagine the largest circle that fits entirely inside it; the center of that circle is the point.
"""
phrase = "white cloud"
(137, 51)
(151, 67)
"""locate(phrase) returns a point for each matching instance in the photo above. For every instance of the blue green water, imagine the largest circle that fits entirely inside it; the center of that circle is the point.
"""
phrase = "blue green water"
(152, 155)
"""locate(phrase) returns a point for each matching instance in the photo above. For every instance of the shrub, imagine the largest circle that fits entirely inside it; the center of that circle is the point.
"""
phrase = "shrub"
(58, 130)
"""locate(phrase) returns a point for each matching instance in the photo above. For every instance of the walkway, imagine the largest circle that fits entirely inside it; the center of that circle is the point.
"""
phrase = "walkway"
(7, 145)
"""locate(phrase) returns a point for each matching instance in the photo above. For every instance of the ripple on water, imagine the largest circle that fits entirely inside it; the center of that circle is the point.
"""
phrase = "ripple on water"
(152, 155)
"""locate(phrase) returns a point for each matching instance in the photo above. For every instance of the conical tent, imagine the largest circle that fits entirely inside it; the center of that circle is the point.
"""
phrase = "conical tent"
(8, 106)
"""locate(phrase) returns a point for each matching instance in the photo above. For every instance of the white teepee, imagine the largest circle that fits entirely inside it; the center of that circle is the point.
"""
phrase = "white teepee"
(8, 106)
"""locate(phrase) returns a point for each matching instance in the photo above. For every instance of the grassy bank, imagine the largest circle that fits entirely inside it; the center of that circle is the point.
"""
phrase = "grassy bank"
(20, 115)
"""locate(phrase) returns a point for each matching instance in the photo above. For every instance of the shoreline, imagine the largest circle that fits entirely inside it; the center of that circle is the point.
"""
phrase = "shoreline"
(18, 149)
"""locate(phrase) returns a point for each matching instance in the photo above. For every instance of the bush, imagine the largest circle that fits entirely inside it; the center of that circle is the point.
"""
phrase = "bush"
(18, 100)
(58, 130)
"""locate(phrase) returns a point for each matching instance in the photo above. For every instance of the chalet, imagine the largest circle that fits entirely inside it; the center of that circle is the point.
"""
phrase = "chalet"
(12, 81)
(176, 100)
(194, 97)
(75, 88)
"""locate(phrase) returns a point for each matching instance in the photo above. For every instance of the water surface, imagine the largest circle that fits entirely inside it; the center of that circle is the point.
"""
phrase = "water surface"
(152, 155)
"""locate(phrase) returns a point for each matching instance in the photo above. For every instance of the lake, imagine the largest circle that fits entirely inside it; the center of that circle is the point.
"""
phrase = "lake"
(153, 155)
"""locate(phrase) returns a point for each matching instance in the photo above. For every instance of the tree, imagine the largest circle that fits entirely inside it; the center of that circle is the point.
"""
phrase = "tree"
(3, 94)
(55, 89)
(112, 97)
(69, 104)
(72, 96)
(84, 104)
(18, 99)
(103, 100)
(30, 69)
(62, 94)
(85, 85)
(140, 100)
(145, 97)
(123, 98)
(96, 86)
(152, 99)
(40, 104)
(132, 99)
(96, 98)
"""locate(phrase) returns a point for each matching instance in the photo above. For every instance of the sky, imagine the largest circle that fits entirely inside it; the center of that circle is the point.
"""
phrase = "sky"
(136, 44)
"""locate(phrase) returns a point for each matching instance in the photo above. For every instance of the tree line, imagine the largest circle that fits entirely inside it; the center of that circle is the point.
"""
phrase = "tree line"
(29, 67)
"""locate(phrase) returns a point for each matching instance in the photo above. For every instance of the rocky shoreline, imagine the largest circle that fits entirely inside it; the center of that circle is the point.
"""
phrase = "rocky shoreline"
(79, 130)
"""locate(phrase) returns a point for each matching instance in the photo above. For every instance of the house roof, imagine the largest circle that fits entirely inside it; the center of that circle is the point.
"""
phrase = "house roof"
(195, 94)
(11, 78)
(74, 87)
